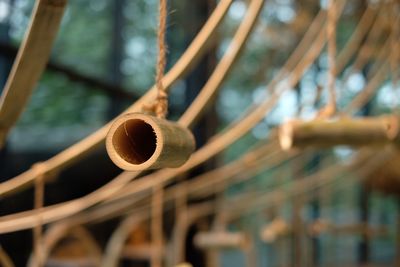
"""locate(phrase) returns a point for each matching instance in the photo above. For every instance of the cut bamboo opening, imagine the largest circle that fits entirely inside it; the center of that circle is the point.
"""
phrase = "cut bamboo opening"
(138, 142)
(220, 240)
(352, 132)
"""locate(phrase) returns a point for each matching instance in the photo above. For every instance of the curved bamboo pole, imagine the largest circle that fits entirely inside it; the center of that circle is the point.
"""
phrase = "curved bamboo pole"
(58, 232)
(117, 240)
(84, 147)
(30, 62)
(5, 260)
(210, 89)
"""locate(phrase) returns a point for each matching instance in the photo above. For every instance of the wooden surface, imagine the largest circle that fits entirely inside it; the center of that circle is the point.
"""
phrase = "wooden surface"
(30, 62)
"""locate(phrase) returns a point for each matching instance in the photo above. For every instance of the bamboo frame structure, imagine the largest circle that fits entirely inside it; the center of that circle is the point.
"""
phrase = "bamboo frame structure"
(87, 201)
(190, 57)
(30, 62)
(210, 88)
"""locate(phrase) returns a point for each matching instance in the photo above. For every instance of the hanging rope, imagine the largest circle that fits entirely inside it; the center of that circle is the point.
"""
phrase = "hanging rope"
(394, 36)
(330, 108)
(160, 105)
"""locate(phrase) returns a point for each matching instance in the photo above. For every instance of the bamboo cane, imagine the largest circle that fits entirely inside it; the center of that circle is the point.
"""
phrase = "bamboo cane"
(353, 132)
(30, 62)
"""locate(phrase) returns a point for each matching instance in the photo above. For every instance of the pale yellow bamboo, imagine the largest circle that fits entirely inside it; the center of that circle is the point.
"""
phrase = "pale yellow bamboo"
(30, 62)
(378, 131)
(220, 240)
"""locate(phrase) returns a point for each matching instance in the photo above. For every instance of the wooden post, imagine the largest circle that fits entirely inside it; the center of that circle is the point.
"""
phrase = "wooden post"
(354, 132)
(138, 142)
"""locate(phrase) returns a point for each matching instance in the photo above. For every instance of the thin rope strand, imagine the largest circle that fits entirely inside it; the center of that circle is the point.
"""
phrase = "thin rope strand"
(330, 109)
(161, 107)
(394, 58)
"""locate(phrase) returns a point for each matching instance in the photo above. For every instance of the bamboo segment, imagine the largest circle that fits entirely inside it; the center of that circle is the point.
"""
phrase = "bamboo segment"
(5, 260)
(220, 240)
(138, 142)
(353, 132)
(30, 62)
(324, 226)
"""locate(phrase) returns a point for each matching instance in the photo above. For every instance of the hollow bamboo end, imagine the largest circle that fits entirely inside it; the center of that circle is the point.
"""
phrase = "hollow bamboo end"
(138, 142)
(392, 127)
(286, 135)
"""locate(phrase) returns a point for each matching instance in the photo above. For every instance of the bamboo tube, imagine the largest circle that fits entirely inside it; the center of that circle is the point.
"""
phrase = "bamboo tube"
(220, 240)
(354, 132)
(138, 142)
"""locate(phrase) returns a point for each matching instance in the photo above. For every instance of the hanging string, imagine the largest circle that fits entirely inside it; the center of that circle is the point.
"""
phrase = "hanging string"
(395, 55)
(330, 108)
(157, 225)
(160, 106)
(37, 230)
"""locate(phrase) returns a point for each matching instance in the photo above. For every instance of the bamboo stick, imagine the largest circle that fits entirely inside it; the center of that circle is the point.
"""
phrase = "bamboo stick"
(322, 226)
(220, 240)
(30, 62)
(5, 260)
(59, 231)
(353, 132)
